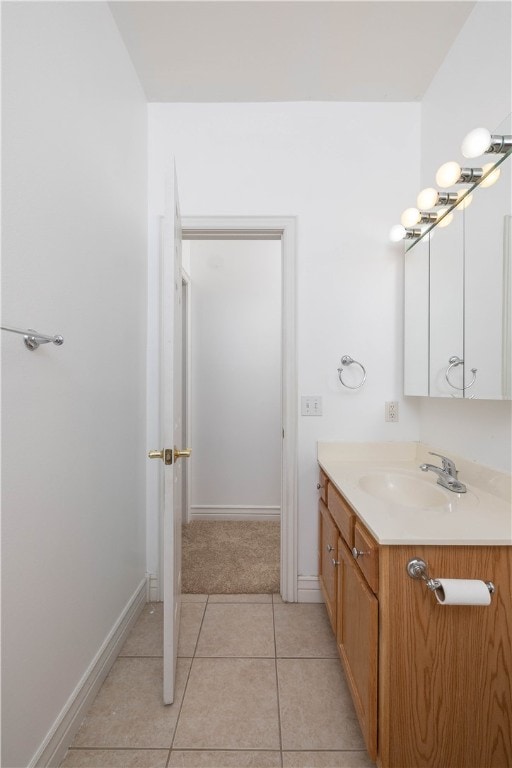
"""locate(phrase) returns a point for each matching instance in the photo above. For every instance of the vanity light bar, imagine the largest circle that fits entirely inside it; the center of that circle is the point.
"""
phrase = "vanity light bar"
(478, 142)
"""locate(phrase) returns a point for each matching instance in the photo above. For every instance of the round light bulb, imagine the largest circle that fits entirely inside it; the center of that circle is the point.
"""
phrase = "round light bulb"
(447, 220)
(410, 217)
(397, 233)
(448, 174)
(427, 199)
(476, 143)
(465, 203)
(492, 177)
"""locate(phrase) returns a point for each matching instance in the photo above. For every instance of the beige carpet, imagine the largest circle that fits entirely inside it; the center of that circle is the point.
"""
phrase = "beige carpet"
(230, 557)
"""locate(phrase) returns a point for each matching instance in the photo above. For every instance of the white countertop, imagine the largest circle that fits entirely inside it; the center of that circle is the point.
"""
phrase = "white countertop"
(369, 475)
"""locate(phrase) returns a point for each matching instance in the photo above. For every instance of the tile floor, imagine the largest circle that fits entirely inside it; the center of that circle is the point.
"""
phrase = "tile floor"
(259, 684)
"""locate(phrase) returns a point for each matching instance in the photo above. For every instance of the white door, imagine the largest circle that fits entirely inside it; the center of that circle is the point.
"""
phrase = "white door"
(171, 430)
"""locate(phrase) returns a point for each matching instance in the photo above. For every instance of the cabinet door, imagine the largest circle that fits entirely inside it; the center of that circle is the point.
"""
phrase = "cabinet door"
(328, 543)
(357, 637)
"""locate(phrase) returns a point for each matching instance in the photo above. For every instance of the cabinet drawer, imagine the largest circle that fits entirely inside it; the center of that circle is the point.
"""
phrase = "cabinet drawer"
(367, 555)
(322, 487)
(342, 513)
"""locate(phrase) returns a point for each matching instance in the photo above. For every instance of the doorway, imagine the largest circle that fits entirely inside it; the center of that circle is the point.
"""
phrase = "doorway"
(282, 232)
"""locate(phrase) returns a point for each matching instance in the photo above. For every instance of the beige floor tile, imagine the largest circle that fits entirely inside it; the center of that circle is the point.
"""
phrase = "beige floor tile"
(128, 710)
(145, 639)
(240, 598)
(190, 624)
(348, 759)
(239, 629)
(277, 599)
(188, 597)
(316, 709)
(223, 759)
(229, 704)
(116, 758)
(303, 630)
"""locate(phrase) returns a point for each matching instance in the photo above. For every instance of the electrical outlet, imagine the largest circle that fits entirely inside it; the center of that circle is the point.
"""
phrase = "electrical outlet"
(311, 405)
(391, 411)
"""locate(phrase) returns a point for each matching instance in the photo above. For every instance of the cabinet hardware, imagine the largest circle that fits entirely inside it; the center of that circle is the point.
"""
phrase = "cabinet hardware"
(319, 486)
(335, 562)
(329, 548)
(357, 553)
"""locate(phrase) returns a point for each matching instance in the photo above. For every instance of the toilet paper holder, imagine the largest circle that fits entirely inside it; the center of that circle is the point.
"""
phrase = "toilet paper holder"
(417, 569)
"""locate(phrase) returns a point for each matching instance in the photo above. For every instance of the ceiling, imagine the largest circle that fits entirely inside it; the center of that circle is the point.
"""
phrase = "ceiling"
(288, 51)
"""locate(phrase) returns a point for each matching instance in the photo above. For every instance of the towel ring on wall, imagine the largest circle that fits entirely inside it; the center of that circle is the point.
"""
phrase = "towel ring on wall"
(347, 360)
(453, 363)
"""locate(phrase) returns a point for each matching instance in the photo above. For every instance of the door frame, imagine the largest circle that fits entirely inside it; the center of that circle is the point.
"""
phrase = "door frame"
(273, 228)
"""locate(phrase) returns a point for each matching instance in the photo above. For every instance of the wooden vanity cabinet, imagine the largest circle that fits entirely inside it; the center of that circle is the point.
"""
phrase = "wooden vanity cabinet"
(431, 683)
(357, 638)
(327, 561)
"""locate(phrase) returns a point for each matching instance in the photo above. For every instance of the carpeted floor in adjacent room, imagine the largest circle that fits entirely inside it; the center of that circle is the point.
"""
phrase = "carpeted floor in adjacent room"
(232, 557)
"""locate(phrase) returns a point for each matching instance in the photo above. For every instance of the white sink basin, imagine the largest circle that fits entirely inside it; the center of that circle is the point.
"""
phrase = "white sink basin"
(404, 489)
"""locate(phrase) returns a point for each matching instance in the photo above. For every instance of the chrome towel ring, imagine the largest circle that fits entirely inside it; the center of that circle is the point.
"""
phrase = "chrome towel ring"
(347, 360)
(453, 363)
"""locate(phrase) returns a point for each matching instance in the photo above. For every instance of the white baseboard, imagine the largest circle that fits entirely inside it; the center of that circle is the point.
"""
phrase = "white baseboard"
(153, 594)
(61, 734)
(234, 512)
(308, 589)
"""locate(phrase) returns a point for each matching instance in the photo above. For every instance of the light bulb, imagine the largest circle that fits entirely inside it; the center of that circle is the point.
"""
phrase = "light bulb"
(447, 219)
(492, 178)
(410, 217)
(465, 203)
(476, 143)
(427, 198)
(397, 233)
(448, 174)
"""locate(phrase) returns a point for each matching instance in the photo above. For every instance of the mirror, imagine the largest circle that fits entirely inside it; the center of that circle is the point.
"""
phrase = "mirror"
(458, 298)
(446, 375)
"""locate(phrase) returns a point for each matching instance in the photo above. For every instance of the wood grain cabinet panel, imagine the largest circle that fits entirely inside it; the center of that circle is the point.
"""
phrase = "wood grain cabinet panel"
(342, 513)
(328, 547)
(367, 551)
(322, 487)
(358, 639)
(445, 671)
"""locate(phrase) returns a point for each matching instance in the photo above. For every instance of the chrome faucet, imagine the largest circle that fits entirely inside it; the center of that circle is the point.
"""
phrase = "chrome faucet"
(447, 474)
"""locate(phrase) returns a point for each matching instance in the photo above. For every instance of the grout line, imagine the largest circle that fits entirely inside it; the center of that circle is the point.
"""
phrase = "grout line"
(277, 687)
(186, 684)
(209, 749)
(180, 708)
(118, 749)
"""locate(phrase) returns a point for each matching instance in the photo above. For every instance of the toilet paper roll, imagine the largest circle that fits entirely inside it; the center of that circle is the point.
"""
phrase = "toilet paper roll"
(462, 592)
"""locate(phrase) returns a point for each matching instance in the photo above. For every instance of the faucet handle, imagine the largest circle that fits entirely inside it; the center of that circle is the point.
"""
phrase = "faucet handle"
(448, 464)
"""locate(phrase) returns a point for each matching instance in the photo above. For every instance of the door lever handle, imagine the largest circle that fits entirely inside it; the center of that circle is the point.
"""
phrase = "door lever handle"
(184, 453)
(165, 455)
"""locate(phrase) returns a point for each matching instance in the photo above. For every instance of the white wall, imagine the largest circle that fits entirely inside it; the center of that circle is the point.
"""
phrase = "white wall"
(235, 378)
(74, 262)
(472, 88)
(344, 170)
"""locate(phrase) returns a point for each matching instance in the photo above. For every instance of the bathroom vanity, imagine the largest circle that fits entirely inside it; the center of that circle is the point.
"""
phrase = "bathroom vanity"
(431, 683)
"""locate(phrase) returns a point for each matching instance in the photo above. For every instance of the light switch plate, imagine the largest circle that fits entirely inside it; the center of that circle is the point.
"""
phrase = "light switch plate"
(311, 405)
